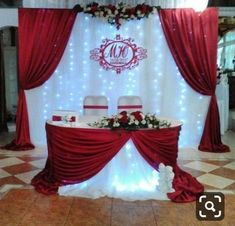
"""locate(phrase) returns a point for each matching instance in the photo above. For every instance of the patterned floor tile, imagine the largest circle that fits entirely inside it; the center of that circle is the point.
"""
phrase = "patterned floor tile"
(11, 180)
(215, 181)
(231, 187)
(19, 168)
(201, 166)
(30, 158)
(7, 187)
(2, 157)
(224, 172)
(39, 163)
(10, 162)
(230, 165)
(218, 163)
(193, 172)
(27, 177)
(3, 173)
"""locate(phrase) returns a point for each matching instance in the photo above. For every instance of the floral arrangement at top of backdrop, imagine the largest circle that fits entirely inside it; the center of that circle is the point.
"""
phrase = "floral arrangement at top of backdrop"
(116, 14)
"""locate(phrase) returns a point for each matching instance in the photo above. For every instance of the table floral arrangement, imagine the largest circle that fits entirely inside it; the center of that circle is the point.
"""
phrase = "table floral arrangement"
(131, 121)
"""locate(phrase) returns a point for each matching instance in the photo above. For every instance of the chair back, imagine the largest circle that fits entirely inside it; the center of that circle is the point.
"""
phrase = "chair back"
(129, 103)
(95, 106)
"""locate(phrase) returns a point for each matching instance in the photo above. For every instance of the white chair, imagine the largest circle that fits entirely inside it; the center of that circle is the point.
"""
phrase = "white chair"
(95, 106)
(129, 103)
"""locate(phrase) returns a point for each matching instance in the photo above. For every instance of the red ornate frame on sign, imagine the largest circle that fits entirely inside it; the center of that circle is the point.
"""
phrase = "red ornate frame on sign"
(118, 54)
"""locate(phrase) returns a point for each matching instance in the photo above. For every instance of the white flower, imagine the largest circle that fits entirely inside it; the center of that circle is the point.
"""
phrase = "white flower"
(143, 122)
(137, 122)
(116, 124)
(154, 10)
(138, 12)
(132, 118)
(116, 12)
(101, 13)
(97, 13)
(150, 126)
(132, 17)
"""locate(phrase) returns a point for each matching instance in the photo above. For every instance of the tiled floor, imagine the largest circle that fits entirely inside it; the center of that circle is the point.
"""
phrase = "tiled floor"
(20, 205)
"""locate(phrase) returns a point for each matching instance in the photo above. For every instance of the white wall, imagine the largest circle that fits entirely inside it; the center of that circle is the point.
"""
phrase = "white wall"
(8, 17)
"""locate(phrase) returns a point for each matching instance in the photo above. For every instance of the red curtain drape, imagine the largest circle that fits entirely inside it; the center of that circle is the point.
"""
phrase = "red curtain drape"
(43, 35)
(77, 154)
(192, 39)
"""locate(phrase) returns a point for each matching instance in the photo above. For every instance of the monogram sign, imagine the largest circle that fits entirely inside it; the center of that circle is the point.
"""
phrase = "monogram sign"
(118, 54)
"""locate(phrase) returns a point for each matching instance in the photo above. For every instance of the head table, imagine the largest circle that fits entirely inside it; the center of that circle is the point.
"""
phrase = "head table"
(76, 155)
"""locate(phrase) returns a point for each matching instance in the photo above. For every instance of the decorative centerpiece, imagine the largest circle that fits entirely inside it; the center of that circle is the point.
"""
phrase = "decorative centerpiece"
(131, 121)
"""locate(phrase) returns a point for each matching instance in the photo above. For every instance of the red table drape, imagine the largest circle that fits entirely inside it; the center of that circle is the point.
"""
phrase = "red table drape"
(43, 35)
(192, 38)
(77, 154)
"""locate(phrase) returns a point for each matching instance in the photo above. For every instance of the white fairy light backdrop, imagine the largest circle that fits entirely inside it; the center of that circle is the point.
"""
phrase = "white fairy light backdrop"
(156, 79)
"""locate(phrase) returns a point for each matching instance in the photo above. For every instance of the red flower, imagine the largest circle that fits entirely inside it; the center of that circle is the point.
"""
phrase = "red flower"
(144, 9)
(131, 11)
(93, 9)
(123, 113)
(137, 115)
(124, 119)
(111, 7)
